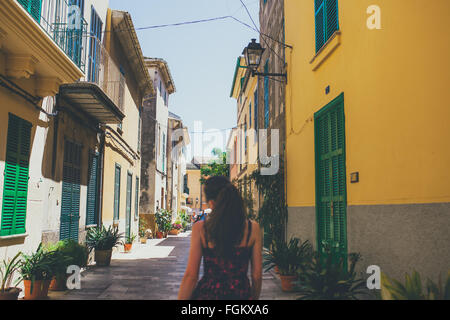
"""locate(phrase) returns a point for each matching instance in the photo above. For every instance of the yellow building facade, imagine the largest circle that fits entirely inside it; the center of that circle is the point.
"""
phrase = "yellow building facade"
(242, 144)
(122, 165)
(367, 125)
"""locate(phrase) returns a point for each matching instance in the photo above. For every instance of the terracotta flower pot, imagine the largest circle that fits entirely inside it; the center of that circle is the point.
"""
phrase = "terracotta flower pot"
(40, 289)
(276, 269)
(143, 240)
(103, 257)
(174, 232)
(127, 247)
(287, 282)
(159, 235)
(10, 294)
(58, 283)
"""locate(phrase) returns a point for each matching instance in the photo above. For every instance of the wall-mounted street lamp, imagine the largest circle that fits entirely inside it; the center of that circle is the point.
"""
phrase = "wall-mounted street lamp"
(253, 56)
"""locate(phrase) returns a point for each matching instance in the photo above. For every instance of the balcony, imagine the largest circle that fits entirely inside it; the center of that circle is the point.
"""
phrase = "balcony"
(101, 92)
(63, 23)
(43, 43)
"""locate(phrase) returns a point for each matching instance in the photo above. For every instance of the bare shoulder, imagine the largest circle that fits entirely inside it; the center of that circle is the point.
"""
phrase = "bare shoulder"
(198, 227)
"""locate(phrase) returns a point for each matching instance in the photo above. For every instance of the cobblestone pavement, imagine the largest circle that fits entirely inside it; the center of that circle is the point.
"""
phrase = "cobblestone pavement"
(152, 271)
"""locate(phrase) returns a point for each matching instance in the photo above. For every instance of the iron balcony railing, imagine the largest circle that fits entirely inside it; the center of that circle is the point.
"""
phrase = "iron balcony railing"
(64, 23)
(103, 71)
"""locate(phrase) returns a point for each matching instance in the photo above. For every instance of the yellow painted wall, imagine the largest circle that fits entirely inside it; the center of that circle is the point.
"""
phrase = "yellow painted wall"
(395, 81)
(194, 187)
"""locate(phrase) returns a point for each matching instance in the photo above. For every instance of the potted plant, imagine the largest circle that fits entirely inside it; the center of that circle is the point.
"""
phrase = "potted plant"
(163, 222)
(7, 270)
(103, 240)
(36, 271)
(328, 278)
(176, 227)
(66, 253)
(129, 242)
(142, 230)
(289, 258)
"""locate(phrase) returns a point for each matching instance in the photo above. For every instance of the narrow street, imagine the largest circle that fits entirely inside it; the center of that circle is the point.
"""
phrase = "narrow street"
(152, 271)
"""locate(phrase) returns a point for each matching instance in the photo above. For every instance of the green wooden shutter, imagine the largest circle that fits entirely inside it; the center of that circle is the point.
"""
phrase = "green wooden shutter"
(331, 194)
(92, 192)
(33, 7)
(15, 188)
(327, 21)
(117, 193)
(136, 200)
(128, 204)
(71, 187)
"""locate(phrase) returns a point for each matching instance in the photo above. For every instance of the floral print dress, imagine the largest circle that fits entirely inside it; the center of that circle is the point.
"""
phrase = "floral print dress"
(225, 278)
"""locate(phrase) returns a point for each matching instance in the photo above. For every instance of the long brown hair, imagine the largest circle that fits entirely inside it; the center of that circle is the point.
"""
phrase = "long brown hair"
(226, 224)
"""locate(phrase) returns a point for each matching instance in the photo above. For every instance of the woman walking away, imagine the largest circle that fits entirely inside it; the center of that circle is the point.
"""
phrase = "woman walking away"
(227, 241)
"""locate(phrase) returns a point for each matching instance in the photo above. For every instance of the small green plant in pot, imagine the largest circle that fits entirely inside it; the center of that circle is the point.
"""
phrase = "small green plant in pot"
(66, 253)
(163, 222)
(327, 278)
(103, 240)
(143, 226)
(37, 270)
(129, 242)
(7, 271)
(289, 258)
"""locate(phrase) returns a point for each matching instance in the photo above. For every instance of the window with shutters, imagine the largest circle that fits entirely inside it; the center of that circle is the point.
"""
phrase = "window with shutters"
(128, 204)
(71, 187)
(33, 7)
(136, 199)
(255, 114)
(331, 194)
(117, 192)
(95, 39)
(327, 21)
(92, 191)
(15, 187)
(266, 96)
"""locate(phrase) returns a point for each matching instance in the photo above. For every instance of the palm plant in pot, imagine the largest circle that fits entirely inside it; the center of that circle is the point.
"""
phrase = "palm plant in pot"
(129, 242)
(66, 253)
(103, 241)
(7, 271)
(163, 222)
(328, 278)
(289, 258)
(37, 270)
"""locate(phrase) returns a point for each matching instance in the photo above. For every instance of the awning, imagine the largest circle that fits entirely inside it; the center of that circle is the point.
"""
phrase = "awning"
(91, 99)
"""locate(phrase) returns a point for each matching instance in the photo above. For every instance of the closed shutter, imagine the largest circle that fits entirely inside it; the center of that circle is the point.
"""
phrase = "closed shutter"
(128, 205)
(33, 7)
(70, 199)
(327, 21)
(331, 187)
(15, 188)
(117, 193)
(136, 200)
(266, 96)
(92, 192)
(256, 109)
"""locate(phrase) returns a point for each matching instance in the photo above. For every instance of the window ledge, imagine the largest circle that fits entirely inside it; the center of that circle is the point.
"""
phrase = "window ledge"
(90, 226)
(328, 48)
(14, 236)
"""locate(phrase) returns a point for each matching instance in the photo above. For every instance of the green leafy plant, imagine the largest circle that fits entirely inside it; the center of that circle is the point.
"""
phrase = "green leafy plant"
(143, 226)
(327, 278)
(130, 238)
(76, 253)
(40, 265)
(101, 238)
(272, 214)
(413, 289)
(288, 257)
(217, 167)
(163, 220)
(7, 271)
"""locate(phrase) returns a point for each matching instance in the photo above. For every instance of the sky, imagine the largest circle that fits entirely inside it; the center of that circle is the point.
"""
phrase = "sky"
(201, 57)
